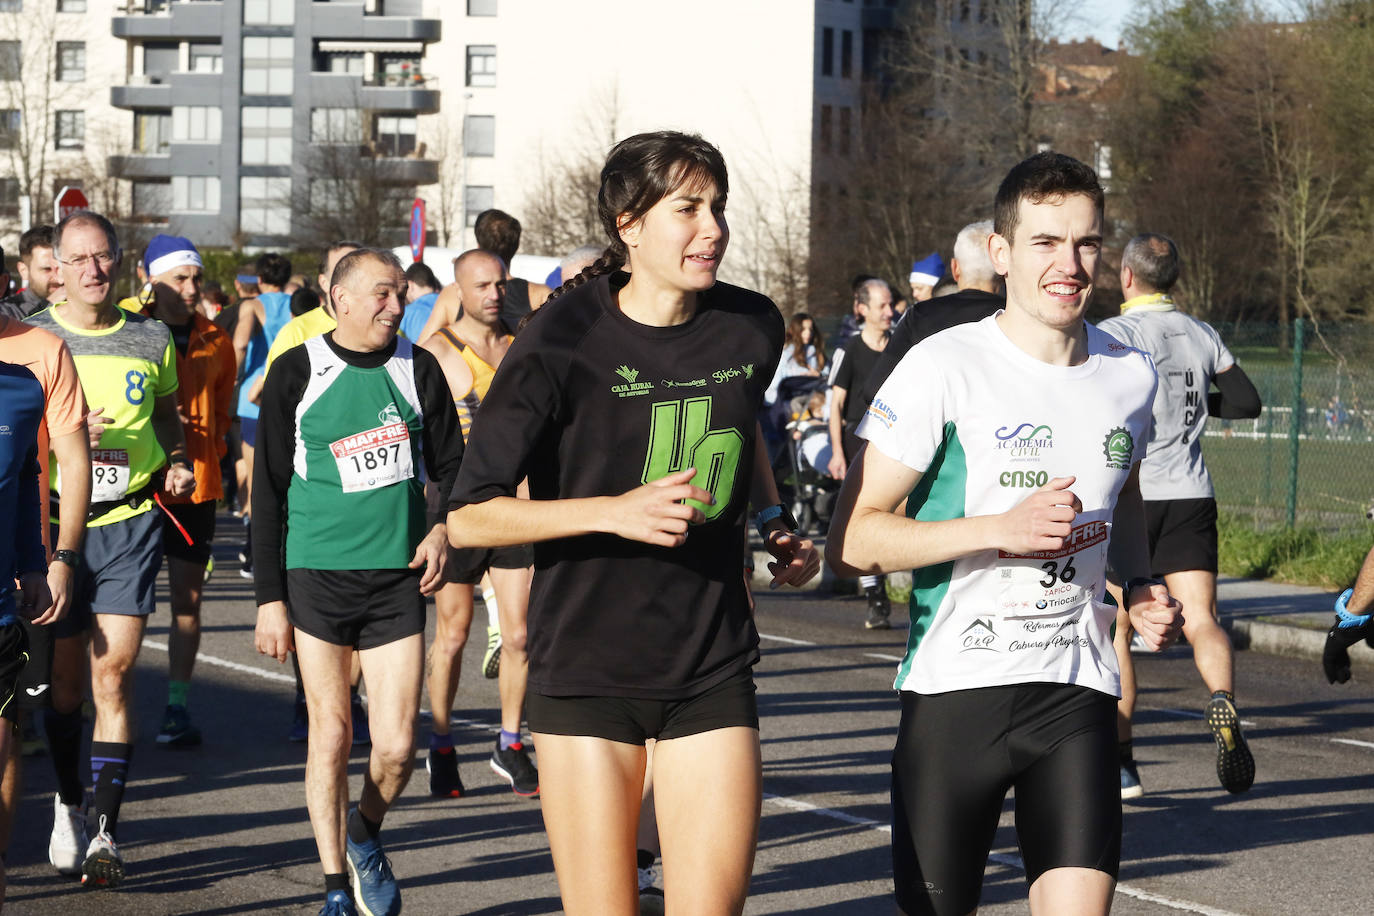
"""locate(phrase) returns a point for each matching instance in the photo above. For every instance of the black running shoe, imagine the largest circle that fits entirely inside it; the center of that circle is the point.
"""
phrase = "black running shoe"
(442, 766)
(1235, 765)
(879, 611)
(515, 766)
(177, 729)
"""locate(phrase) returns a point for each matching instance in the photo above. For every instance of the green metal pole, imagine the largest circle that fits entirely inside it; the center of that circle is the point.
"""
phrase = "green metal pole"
(1296, 425)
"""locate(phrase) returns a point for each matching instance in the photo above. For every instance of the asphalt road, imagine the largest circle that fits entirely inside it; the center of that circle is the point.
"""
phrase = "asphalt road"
(223, 829)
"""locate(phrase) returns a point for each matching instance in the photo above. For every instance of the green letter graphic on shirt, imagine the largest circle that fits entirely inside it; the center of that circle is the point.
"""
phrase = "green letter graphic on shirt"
(680, 437)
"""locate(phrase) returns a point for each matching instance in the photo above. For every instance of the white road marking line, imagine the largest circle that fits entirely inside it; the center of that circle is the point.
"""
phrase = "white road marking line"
(1189, 714)
(225, 663)
(1009, 859)
(787, 639)
(1354, 742)
(886, 658)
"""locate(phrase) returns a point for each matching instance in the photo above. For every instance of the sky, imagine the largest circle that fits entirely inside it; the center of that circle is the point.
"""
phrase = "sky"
(1100, 19)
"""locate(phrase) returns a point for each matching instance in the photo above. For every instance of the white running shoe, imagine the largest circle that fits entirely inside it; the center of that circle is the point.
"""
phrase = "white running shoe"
(67, 846)
(103, 867)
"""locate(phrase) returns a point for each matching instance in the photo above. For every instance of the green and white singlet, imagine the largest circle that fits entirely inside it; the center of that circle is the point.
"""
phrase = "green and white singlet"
(986, 424)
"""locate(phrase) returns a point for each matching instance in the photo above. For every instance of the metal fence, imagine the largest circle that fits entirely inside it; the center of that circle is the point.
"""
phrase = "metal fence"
(1307, 458)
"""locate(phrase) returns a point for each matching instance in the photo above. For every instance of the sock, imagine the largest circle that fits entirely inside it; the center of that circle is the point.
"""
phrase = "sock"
(177, 691)
(64, 740)
(296, 667)
(360, 829)
(867, 582)
(1123, 751)
(1226, 695)
(644, 857)
(109, 772)
(441, 743)
(509, 739)
(337, 882)
(489, 600)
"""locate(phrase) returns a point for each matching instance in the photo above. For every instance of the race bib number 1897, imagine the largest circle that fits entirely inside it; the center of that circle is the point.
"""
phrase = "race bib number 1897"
(375, 458)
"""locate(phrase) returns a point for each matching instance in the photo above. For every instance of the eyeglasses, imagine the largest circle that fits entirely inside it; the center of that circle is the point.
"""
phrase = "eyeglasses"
(102, 258)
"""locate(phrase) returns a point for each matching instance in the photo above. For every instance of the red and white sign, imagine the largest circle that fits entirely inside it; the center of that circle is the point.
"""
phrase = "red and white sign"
(375, 458)
(417, 230)
(69, 200)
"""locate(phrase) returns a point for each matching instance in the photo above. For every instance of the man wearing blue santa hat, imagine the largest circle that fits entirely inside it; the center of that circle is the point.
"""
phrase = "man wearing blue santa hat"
(925, 276)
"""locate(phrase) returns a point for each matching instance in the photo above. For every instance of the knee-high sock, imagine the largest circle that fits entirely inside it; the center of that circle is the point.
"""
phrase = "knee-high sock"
(109, 771)
(64, 740)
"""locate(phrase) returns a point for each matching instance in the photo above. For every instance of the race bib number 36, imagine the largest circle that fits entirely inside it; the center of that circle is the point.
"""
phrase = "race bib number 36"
(375, 458)
(1046, 584)
(109, 474)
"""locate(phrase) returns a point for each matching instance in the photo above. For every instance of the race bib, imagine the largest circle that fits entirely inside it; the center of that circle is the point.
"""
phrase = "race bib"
(374, 459)
(1046, 585)
(109, 474)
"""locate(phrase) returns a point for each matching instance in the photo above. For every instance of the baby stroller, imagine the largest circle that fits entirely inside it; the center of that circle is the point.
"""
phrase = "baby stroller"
(806, 486)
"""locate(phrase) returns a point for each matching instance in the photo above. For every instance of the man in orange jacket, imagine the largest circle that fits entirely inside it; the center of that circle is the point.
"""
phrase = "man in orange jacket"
(206, 369)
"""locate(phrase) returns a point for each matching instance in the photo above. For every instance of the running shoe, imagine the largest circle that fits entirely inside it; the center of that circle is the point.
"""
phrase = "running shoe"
(300, 722)
(246, 570)
(361, 733)
(69, 840)
(879, 611)
(491, 659)
(1235, 765)
(374, 886)
(442, 766)
(650, 894)
(177, 729)
(1130, 780)
(514, 765)
(338, 903)
(209, 570)
(103, 866)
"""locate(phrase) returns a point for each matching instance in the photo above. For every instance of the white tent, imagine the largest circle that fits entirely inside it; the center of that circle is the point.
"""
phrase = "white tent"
(532, 267)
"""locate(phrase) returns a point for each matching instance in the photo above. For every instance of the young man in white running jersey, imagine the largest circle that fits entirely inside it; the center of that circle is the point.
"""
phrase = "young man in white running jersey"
(1013, 444)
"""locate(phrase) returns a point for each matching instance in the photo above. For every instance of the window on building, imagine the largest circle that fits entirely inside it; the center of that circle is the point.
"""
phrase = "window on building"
(330, 195)
(476, 198)
(266, 136)
(196, 123)
(10, 123)
(846, 54)
(481, 7)
(71, 61)
(827, 52)
(11, 59)
(398, 69)
(9, 191)
(206, 58)
(265, 205)
(153, 132)
(195, 194)
(393, 135)
(846, 129)
(71, 129)
(152, 201)
(827, 128)
(71, 6)
(343, 62)
(160, 59)
(269, 12)
(479, 135)
(481, 65)
(336, 125)
(267, 65)
(11, 6)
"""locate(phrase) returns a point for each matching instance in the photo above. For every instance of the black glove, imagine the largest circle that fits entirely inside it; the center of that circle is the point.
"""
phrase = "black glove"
(1347, 630)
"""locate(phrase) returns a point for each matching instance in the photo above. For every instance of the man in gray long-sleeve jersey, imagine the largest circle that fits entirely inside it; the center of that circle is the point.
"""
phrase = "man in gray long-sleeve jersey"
(1180, 507)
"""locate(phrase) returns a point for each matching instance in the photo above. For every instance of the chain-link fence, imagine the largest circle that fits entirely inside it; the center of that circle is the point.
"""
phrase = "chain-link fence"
(1307, 458)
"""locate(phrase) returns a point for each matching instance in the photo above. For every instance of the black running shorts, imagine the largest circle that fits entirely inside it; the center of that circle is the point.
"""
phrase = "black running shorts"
(198, 519)
(1183, 535)
(731, 703)
(362, 608)
(467, 565)
(35, 681)
(14, 653)
(957, 755)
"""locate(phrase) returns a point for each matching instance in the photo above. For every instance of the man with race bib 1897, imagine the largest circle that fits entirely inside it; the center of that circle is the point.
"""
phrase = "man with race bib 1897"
(1014, 443)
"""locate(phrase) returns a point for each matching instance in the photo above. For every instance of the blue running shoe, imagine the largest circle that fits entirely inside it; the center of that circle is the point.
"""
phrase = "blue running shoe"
(374, 886)
(1130, 780)
(338, 903)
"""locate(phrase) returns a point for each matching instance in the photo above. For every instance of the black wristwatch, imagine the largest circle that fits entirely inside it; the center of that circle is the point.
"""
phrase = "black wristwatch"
(1136, 583)
(70, 557)
(775, 511)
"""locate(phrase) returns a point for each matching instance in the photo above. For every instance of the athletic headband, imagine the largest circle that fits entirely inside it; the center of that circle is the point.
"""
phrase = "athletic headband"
(246, 278)
(166, 252)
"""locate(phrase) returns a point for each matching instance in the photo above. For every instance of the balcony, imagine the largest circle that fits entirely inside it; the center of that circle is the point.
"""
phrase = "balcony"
(385, 92)
(142, 92)
(350, 21)
(407, 171)
(184, 19)
(136, 165)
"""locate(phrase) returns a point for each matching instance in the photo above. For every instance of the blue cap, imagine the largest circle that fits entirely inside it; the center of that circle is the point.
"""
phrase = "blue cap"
(928, 270)
(555, 278)
(165, 252)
